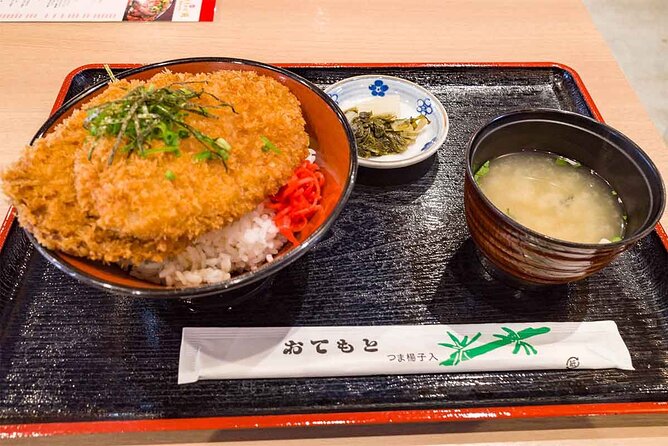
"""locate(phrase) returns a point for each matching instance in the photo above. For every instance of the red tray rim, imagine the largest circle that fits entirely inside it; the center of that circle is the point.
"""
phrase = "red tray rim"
(337, 418)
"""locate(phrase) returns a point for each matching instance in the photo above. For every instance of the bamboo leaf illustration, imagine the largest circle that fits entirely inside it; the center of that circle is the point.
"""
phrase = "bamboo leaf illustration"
(510, 332)
(454, 339)
(452, 360)
(511, 337)
(529, 332)
(475, 338)
(528, 348)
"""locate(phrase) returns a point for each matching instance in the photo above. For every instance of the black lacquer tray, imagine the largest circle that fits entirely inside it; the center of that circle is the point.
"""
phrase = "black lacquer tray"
(398, 254)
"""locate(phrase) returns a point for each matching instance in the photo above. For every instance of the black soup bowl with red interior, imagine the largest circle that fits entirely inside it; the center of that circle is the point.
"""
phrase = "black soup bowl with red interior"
(529, 258)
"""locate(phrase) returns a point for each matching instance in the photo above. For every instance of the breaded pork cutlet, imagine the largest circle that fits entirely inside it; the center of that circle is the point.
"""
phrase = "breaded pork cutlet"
(41, 188)
(140, 208)
(132, 195)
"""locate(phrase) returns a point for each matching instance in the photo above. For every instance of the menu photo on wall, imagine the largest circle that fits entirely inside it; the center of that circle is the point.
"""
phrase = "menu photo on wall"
(107, 10)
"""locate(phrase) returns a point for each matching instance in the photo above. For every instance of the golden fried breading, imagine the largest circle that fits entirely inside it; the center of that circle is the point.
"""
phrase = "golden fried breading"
(133, 197)
(41, 187)
(130, 210)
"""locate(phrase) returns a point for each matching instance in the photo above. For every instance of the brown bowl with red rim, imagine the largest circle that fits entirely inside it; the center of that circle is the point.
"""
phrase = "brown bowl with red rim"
(526, 258)
(335, 153)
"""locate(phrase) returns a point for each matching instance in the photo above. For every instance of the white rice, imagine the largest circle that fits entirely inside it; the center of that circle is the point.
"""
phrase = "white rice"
(311, 155)
(244, 245)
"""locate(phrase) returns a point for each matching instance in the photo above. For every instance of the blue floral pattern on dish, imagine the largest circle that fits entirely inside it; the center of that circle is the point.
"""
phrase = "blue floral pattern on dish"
(428, 144)
(424, 106)
(335, 97)
(378, 88)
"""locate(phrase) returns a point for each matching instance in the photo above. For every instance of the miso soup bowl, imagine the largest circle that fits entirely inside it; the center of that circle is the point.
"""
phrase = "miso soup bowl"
(532, 259)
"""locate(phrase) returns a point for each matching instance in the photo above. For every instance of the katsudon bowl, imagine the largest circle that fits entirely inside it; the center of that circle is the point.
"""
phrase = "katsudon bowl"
(335, 153)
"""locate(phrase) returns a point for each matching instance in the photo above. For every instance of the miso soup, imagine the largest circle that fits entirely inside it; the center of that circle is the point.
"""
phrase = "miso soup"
(553, 195)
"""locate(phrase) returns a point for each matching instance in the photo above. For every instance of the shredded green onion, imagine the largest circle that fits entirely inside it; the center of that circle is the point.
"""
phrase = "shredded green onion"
(268, 145)
(147, 113)
(563, 161)
(482, 171)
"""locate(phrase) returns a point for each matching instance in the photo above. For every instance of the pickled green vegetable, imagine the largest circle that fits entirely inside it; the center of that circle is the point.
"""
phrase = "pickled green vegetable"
(383, 134)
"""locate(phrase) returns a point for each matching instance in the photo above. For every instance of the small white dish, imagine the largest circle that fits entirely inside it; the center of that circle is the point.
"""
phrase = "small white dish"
(413, 101)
